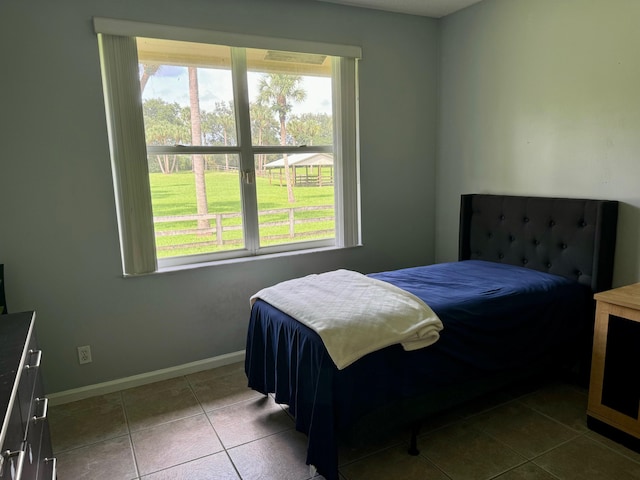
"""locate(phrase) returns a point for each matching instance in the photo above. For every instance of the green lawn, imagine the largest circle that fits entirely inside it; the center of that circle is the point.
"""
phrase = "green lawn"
(174, 194)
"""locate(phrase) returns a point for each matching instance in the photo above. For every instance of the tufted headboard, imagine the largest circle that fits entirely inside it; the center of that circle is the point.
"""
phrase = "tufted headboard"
(570, 237)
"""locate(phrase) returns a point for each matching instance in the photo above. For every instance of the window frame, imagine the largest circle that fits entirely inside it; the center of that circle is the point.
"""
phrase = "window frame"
(129, 150)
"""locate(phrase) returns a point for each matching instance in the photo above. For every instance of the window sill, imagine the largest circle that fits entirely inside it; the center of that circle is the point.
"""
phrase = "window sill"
(239, 260)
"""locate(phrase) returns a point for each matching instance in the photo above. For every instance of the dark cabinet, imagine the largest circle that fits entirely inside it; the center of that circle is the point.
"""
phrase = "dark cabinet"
(26, 452)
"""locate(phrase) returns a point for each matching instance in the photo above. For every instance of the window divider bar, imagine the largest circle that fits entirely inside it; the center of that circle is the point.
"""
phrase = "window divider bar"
(190, 149)
(268, 149)
(220, 149)
(247, 163)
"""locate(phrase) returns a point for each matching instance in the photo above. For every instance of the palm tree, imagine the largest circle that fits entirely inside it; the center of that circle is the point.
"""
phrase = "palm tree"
(148, 70)
(196, 139)
(279, 90)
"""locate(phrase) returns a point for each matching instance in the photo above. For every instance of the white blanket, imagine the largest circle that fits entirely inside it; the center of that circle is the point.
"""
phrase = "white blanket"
(355, 314)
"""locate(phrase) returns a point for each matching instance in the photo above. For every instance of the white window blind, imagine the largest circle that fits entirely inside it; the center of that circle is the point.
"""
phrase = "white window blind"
(128, 153)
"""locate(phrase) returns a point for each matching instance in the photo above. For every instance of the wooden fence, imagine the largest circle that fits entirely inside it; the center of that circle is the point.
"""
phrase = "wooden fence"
(218, 229)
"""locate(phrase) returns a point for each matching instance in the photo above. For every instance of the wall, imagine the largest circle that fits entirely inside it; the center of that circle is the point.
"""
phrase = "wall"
(541, 97)
(59, 240)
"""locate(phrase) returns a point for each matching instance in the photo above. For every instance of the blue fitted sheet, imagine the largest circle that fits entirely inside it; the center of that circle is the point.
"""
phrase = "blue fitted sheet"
(499, 322)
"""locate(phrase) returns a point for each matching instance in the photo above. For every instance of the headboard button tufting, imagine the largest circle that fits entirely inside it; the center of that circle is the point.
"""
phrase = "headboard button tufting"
(525, 261)
(553, 233)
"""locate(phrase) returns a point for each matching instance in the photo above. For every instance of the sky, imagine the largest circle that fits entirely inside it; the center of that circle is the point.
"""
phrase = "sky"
(171, 83)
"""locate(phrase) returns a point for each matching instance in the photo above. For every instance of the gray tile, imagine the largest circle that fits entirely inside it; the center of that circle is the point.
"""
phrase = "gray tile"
(523, 429)
(213, 467)
(276, 457)
(487, 402)
(465, 453)
(169, 444)
(439, 420)
(108, 460)
(528, 471)
(585, 459)
(91, 441)
(564, 403)
(392, 463)
(159, 403)
(87, 421)
(144, 391)
(618, 447)
(350, 452)
(246, 421)
(222, 386)
(91, 403)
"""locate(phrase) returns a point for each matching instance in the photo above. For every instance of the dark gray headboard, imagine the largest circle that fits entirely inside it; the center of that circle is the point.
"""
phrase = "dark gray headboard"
(570, 237)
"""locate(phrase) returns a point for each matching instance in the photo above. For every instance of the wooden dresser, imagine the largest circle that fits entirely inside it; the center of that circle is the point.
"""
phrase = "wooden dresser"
(26, 452)
(614, 390)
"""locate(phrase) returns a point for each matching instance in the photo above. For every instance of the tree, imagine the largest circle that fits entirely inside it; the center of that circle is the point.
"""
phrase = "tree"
(311, 129)
(196, 140)
(163, 128)
(148, 70)
(226, 120)
(264, 129)
(165, 125)
(279, 90)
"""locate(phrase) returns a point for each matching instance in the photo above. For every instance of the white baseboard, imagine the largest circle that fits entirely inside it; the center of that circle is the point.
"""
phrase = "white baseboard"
(144, 378)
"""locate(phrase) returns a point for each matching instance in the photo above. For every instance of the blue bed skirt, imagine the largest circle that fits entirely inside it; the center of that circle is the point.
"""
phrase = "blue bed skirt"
(500, 323)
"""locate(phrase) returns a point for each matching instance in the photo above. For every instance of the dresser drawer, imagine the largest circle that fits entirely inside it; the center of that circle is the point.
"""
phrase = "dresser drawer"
(47, 467)
(25, 444)
(32, 450)
(30, 374)
(11, 464)
(35, 429)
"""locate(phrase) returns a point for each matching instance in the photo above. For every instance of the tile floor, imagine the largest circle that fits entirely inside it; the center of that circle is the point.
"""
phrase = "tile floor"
(208, 425)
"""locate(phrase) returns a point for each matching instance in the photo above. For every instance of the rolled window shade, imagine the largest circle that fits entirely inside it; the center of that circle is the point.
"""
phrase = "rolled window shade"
(119, 61)
(129, 28)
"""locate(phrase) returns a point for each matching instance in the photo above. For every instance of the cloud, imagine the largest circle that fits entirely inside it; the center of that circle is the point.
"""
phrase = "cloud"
(171, 71)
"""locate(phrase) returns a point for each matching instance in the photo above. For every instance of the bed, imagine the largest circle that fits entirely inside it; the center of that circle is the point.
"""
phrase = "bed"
(517, 303)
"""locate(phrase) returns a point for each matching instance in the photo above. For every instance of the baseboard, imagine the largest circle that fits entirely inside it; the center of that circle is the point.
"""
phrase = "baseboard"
(144, 378)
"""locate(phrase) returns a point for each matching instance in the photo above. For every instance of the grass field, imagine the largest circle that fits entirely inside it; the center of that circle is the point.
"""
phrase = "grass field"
(174, 194)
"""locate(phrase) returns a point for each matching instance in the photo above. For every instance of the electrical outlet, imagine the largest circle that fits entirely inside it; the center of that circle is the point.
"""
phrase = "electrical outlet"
(84, 354)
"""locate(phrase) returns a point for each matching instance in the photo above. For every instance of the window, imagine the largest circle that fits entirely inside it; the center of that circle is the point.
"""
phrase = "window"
(227, 146)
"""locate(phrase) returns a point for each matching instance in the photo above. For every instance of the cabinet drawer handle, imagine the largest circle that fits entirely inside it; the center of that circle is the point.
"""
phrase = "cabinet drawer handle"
(38, 359)
(45, 408)
(6, 455)
(54, 466)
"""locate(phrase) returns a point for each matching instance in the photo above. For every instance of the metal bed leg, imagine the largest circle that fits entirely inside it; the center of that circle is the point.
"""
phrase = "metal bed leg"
(413, 446)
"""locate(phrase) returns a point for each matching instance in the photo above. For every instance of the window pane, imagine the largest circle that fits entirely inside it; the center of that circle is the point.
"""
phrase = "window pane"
(195, 213)
(187, 93)
(290, 98)
(311, 215)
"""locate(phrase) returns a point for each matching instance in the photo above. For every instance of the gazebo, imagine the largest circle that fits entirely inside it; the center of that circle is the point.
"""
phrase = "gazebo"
(309, 169)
